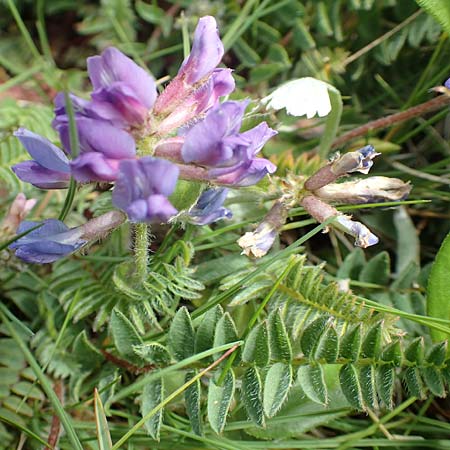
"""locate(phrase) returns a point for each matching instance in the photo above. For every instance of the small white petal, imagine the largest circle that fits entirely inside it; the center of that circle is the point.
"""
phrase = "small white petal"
(304, 96)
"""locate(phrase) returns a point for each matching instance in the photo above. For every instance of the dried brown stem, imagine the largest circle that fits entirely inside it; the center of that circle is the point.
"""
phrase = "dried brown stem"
(55, 427)
(384, 122)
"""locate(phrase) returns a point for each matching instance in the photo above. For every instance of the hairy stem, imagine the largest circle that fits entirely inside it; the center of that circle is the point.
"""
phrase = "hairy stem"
(384, 122)
(141, 244)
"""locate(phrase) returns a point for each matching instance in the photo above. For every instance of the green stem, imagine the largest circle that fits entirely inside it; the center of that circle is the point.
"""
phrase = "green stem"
(141, 244)
(332, 123)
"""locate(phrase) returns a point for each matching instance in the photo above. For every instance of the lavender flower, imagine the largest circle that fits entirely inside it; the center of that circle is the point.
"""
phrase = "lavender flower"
(102, 144)
(142, 189)
(447, 84)
(230, 156)
(208, 208)
(120, 84)
(49, 168)
(207, 51)
(52, 241)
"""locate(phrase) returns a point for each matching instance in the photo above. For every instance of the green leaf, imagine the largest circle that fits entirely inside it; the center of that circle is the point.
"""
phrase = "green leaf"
(312, 381)
(302, 36)
(377, 269)
(124, 335)
(311, 335)
(204, 337)
(350, 385)
(385, 384)
(192, 396)
(103, 434)
(434, 381)
(414, 383)
(152, 396)
(186, 194)
(85, 353)
(181, 335)
(252, 396)
(153, 353)
(328, 345)
(280, 346)
(368, 387)
(225, 331)
(351, 344)
(219, 401)
(439, 9)
(393, 354)
(276, 387)
(438, 288)
(437, 354)
(352, 265)
(371, 345)
(408, 244)
(256, 347)
(415, 351)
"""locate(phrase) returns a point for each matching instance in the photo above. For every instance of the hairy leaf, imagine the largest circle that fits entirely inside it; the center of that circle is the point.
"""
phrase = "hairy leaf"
(219, 401)
(152, 396)
(256, 347)
(192, 396)
(181, 335)
(252, 396)
(312, 381)
(276, 387)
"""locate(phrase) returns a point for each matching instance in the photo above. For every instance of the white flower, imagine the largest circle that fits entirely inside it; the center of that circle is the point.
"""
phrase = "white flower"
(304, 96)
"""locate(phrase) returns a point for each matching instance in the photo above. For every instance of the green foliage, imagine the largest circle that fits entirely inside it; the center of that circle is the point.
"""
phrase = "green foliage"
(439, 9)
(438, 287)
(317, 352)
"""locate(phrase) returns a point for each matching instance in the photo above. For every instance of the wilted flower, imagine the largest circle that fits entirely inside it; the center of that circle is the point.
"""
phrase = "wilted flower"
(368, 190)
(357, 161)
(49, 168)
(363, 236)
(322, 211)
(142, 188)
(257, 243)
(208, 208)
(304, 96)
(51, 241)
(19, 209)
(229, 156)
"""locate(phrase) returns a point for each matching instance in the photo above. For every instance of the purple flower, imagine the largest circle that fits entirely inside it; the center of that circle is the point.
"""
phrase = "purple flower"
(120, 84)
(207, 51)
(230, 156)
(49, 168)
(208, 208)
(142, 188)
(447, 84)
(51, 241)
(102, 144)
(201, 100)
(197, 68)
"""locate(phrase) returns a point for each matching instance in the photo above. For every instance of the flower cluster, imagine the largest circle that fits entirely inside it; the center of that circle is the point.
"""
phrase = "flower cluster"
(144, 142)
(319, 189)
